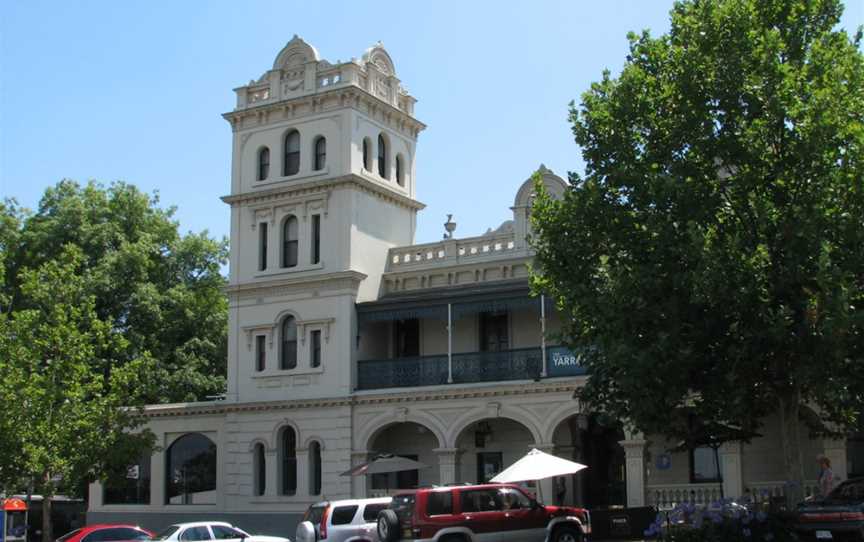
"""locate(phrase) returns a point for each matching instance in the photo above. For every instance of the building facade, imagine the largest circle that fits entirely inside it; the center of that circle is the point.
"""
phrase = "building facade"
(347, 340)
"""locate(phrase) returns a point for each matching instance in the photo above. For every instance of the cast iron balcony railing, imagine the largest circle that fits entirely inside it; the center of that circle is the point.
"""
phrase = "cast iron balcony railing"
(518, 364)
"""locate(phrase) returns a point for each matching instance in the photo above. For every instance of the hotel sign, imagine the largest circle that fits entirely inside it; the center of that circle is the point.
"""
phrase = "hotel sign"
(561, 361)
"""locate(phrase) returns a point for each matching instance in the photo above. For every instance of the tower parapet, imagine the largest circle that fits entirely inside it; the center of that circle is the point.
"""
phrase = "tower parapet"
(299, 71)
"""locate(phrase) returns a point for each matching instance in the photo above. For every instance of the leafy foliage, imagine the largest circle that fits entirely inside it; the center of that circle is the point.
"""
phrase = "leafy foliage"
(161, 291)
(712, 250)
(67, 419)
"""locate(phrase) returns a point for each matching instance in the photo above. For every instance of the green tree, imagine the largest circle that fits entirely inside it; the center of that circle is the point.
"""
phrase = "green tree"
(711, 255)
(160, 290)
(67, 420)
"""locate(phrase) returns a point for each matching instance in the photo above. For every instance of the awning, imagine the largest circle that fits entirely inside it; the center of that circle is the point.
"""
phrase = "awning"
(465, 301)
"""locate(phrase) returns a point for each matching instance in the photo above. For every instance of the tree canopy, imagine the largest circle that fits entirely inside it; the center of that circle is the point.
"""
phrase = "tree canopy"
(710, 259)
(160, 290)
(67, 419)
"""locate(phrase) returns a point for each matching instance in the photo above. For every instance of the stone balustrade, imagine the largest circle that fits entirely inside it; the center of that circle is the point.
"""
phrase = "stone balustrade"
(763, 491)
(671, 495)
(450, 251)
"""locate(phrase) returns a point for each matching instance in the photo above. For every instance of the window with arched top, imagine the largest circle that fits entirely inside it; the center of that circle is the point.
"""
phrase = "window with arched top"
(190, 473)
(314, 468)
(263, 163)
(320, 161)
(400, 170)
(259, 468)
(289, 242)
(288, 335)
(382, 156)
(291, 163)
(288, 445)
(367, 154)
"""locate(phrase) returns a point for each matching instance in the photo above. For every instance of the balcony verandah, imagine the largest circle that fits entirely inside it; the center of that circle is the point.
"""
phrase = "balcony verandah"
(459, 335)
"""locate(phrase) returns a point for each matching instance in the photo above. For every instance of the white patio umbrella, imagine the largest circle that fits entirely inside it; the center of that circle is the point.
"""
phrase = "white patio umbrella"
(537, 465)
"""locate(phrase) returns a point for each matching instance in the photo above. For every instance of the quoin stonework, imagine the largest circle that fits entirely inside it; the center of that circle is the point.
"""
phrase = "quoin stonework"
(346, 339)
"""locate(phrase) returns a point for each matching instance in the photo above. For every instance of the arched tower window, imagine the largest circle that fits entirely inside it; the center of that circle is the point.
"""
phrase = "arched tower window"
(320, 153)
(289, 461)
(367, 154)
(288, 354)
(190, 474)
(382, 156)
(263, 163)
(400, 170)
(259, 467)
(291, 164)
(315, 468)
(289, 242)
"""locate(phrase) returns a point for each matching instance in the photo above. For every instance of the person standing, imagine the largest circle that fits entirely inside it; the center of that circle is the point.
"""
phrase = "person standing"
(826, 476)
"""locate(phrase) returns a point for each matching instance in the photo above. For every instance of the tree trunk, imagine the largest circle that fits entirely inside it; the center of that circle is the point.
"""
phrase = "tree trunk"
(47, 495)
(790, 439)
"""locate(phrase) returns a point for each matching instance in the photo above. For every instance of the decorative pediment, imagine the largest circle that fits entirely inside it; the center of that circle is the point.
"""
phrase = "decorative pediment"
(554, 184)
(378, 57)
(295, 53)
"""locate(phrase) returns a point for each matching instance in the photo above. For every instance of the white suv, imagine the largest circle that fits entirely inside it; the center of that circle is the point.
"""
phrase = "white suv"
(351, 520)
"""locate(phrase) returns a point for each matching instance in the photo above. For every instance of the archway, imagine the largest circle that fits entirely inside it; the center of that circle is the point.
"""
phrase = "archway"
(190, 473)
(406, 439)
(490, 445)
(593, 440)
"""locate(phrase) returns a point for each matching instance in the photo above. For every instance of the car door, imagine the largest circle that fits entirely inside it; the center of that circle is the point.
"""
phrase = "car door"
(198, 533)
(225, 533)
(482, 513)
(527, 521)
(125, 534)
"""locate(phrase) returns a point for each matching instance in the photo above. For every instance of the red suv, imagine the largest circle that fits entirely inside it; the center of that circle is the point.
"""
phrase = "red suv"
(493, 512)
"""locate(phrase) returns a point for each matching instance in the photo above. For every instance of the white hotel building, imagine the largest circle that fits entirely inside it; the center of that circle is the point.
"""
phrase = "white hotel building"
(347, 339)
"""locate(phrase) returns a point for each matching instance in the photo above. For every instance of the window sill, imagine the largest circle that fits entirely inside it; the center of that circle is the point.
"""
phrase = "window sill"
(300, 176)
(389, 183)
(289, 270)
(300, 371)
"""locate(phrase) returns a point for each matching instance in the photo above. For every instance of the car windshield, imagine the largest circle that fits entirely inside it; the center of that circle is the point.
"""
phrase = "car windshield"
(166, 533)
(850, 491)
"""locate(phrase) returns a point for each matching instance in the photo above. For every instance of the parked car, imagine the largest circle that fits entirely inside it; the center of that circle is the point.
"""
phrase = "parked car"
(471, 513)
(839, 516)
(211, 530)
(107, 532)
(352, 520)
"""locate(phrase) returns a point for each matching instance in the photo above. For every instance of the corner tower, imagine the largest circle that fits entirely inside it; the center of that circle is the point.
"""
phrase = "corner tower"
(322, 186)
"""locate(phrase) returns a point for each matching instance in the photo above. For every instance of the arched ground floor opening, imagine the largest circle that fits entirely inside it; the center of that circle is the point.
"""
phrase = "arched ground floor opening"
(405, 439)
(593, 440)
(488, 446)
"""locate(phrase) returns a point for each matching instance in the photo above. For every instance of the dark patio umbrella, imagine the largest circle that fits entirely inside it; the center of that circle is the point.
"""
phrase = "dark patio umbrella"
(384, 463)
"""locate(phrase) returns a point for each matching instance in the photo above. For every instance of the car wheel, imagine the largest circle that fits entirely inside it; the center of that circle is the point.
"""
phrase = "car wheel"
(565, 533)
(388, 526)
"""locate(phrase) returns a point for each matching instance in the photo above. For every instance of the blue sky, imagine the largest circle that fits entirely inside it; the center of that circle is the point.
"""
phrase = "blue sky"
(134, 90)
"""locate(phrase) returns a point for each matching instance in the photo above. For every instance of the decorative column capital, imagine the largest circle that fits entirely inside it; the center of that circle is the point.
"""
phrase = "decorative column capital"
(634, 447)
(445, 452)
(548, 447)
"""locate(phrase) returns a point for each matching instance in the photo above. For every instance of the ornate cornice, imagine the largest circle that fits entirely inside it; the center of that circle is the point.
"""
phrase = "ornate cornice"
(313, 104)
(294, 189)
(325, 281)
(439, 394)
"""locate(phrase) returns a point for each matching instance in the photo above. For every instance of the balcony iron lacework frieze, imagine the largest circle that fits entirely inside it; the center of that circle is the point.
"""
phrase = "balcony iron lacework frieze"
(519, 364)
